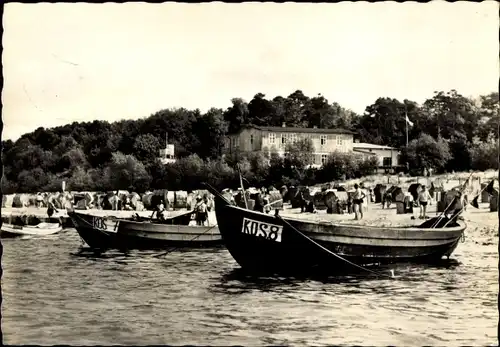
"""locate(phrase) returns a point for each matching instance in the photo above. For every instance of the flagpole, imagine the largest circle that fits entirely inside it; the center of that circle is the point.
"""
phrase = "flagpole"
(406, 122)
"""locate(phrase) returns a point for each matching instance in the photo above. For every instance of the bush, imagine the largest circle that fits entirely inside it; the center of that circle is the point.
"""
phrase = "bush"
(484, 155)
(426, 152)
(340, 166)
(8, 187)
(126, 172)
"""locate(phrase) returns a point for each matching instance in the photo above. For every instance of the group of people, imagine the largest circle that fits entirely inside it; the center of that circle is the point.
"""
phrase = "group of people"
(200, 209)
(424, 198)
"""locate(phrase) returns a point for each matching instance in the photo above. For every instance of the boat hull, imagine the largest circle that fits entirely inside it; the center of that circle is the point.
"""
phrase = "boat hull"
(97, 232)
(146, 235)
(9, 230)
(104, 233)
(266, 243)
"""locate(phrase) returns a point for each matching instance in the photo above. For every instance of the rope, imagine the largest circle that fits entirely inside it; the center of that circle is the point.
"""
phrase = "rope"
(451, 203)
(332, 253)
(173, 249)
(463, 207)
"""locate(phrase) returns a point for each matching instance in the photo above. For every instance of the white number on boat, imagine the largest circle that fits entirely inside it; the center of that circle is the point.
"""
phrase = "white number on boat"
(265, 230)
(99, 223)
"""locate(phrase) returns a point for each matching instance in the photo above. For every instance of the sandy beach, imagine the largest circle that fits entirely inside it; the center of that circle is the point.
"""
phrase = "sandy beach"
(374, 215)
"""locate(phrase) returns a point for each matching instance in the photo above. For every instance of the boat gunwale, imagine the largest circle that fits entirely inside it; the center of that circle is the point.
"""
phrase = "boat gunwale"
(202, 229)
(461, 225)
(76, 218)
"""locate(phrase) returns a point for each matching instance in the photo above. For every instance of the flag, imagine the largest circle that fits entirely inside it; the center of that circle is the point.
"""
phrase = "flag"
(474, 202)
(489, 187)
(408, 121)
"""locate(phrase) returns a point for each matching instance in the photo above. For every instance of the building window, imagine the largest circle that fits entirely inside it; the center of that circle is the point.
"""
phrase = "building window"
(322, 139)
(339, 141)
(324, 159)
(293, 138)
(283, 139)
(272, 138)
(251, 139)
(387, 161)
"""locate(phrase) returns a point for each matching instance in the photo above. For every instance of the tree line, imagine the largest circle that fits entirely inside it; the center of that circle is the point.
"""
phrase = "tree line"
(449, 132)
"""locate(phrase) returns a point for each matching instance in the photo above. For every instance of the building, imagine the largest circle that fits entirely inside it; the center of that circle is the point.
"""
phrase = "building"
(388, 157)
(167, 155)
(269, 139)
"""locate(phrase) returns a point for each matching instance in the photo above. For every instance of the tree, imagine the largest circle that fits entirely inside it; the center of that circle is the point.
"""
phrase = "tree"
(319, 112)
(210, 129)
(299, 154)
(81, 180)
(261, 111)
(489, 116)
(191, 170)
(65, 144)
(294, 109)
(32, 180)
(484, 155)
(146, 148)
(236, 115)
(450, 114)
(126, 172)
(384, 122)
(425, 152)
(158, 173)
(123, 155)
(73, 159)
(460, 153)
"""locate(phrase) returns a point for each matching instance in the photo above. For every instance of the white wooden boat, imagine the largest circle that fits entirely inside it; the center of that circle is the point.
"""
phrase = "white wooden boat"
(42, 229)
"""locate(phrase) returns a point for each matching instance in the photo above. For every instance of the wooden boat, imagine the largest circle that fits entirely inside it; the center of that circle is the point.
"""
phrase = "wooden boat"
(143, 233)
(270, 243)
(153, 235)
(97, 232)
(42, 229)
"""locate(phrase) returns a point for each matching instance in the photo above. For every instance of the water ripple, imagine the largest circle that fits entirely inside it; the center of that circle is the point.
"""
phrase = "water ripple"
(55, 292)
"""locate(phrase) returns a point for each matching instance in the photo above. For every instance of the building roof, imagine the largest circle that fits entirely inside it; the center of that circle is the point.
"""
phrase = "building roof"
(364, 152)
(300, 130)
(364, 145)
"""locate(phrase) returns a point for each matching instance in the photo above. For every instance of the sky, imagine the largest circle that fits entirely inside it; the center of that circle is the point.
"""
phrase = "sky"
(71, 62)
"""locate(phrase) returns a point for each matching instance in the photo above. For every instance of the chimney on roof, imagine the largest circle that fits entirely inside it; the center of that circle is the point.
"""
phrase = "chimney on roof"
(356, 141)
(283, 125)
(315, 127)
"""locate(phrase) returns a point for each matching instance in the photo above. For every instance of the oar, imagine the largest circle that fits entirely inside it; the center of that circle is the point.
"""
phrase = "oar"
(451, 203)
(463, 207)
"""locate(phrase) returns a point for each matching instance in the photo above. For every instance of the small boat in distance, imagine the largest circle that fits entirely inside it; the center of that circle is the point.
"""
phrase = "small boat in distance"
(267, 243)
(42, 229)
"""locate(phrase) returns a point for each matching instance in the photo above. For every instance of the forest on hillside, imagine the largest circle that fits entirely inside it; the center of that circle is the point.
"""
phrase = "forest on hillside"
(450, 132)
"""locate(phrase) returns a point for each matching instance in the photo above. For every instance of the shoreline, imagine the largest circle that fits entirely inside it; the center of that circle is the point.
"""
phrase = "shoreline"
(374, 215)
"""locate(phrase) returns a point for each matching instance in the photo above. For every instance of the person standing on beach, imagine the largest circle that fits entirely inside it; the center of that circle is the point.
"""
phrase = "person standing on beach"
(51, 209)
(201, 211)
(423, 199)
(357, 202)
(160, 211)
